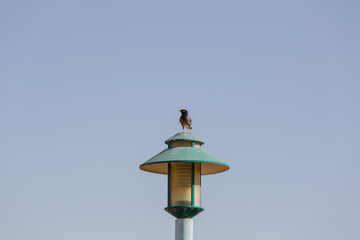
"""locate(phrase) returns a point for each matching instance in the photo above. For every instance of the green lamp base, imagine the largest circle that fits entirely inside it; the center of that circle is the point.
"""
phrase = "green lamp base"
(184, 211)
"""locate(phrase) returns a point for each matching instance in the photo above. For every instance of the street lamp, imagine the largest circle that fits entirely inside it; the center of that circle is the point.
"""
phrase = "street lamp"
(184, 161)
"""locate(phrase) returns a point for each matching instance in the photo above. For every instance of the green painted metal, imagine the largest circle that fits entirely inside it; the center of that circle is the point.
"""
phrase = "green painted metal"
(210, 164)
(200, 187)
(192, 184)
(184, 137)
(184, 211)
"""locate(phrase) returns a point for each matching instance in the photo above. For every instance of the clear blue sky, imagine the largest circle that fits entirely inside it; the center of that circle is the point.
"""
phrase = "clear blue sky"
(89, 90)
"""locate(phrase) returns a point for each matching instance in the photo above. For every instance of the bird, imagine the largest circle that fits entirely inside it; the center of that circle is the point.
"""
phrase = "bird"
(185, 120)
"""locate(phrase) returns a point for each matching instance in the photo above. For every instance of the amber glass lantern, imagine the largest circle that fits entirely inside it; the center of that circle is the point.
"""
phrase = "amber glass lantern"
(184, 161)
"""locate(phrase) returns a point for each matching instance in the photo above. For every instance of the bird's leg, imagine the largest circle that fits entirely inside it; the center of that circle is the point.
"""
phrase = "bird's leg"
(183, 130)
(189, 131)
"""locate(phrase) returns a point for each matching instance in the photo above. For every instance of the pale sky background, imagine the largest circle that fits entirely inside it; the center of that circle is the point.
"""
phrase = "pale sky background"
(91, 89)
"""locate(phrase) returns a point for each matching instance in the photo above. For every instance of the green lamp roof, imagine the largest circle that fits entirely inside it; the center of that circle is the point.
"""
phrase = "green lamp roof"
(209, 163)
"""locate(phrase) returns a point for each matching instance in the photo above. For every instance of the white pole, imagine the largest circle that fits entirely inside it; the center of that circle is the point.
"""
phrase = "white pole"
(184, 229)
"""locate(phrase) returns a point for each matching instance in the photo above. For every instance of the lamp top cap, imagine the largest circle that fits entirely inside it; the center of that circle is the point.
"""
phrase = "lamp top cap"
(184, 137)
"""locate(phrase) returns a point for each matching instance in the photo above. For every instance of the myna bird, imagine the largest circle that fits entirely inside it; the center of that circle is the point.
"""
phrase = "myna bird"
(185, 120)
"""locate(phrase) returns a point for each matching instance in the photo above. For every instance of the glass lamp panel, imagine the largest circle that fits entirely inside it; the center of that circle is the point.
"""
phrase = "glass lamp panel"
(180, 184)
(197, 184)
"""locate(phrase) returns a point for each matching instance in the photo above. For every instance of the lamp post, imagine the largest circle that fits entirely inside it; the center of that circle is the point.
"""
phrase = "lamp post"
(184, 161)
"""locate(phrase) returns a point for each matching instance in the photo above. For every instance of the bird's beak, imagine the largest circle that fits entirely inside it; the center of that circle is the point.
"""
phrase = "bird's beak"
(179, 110)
